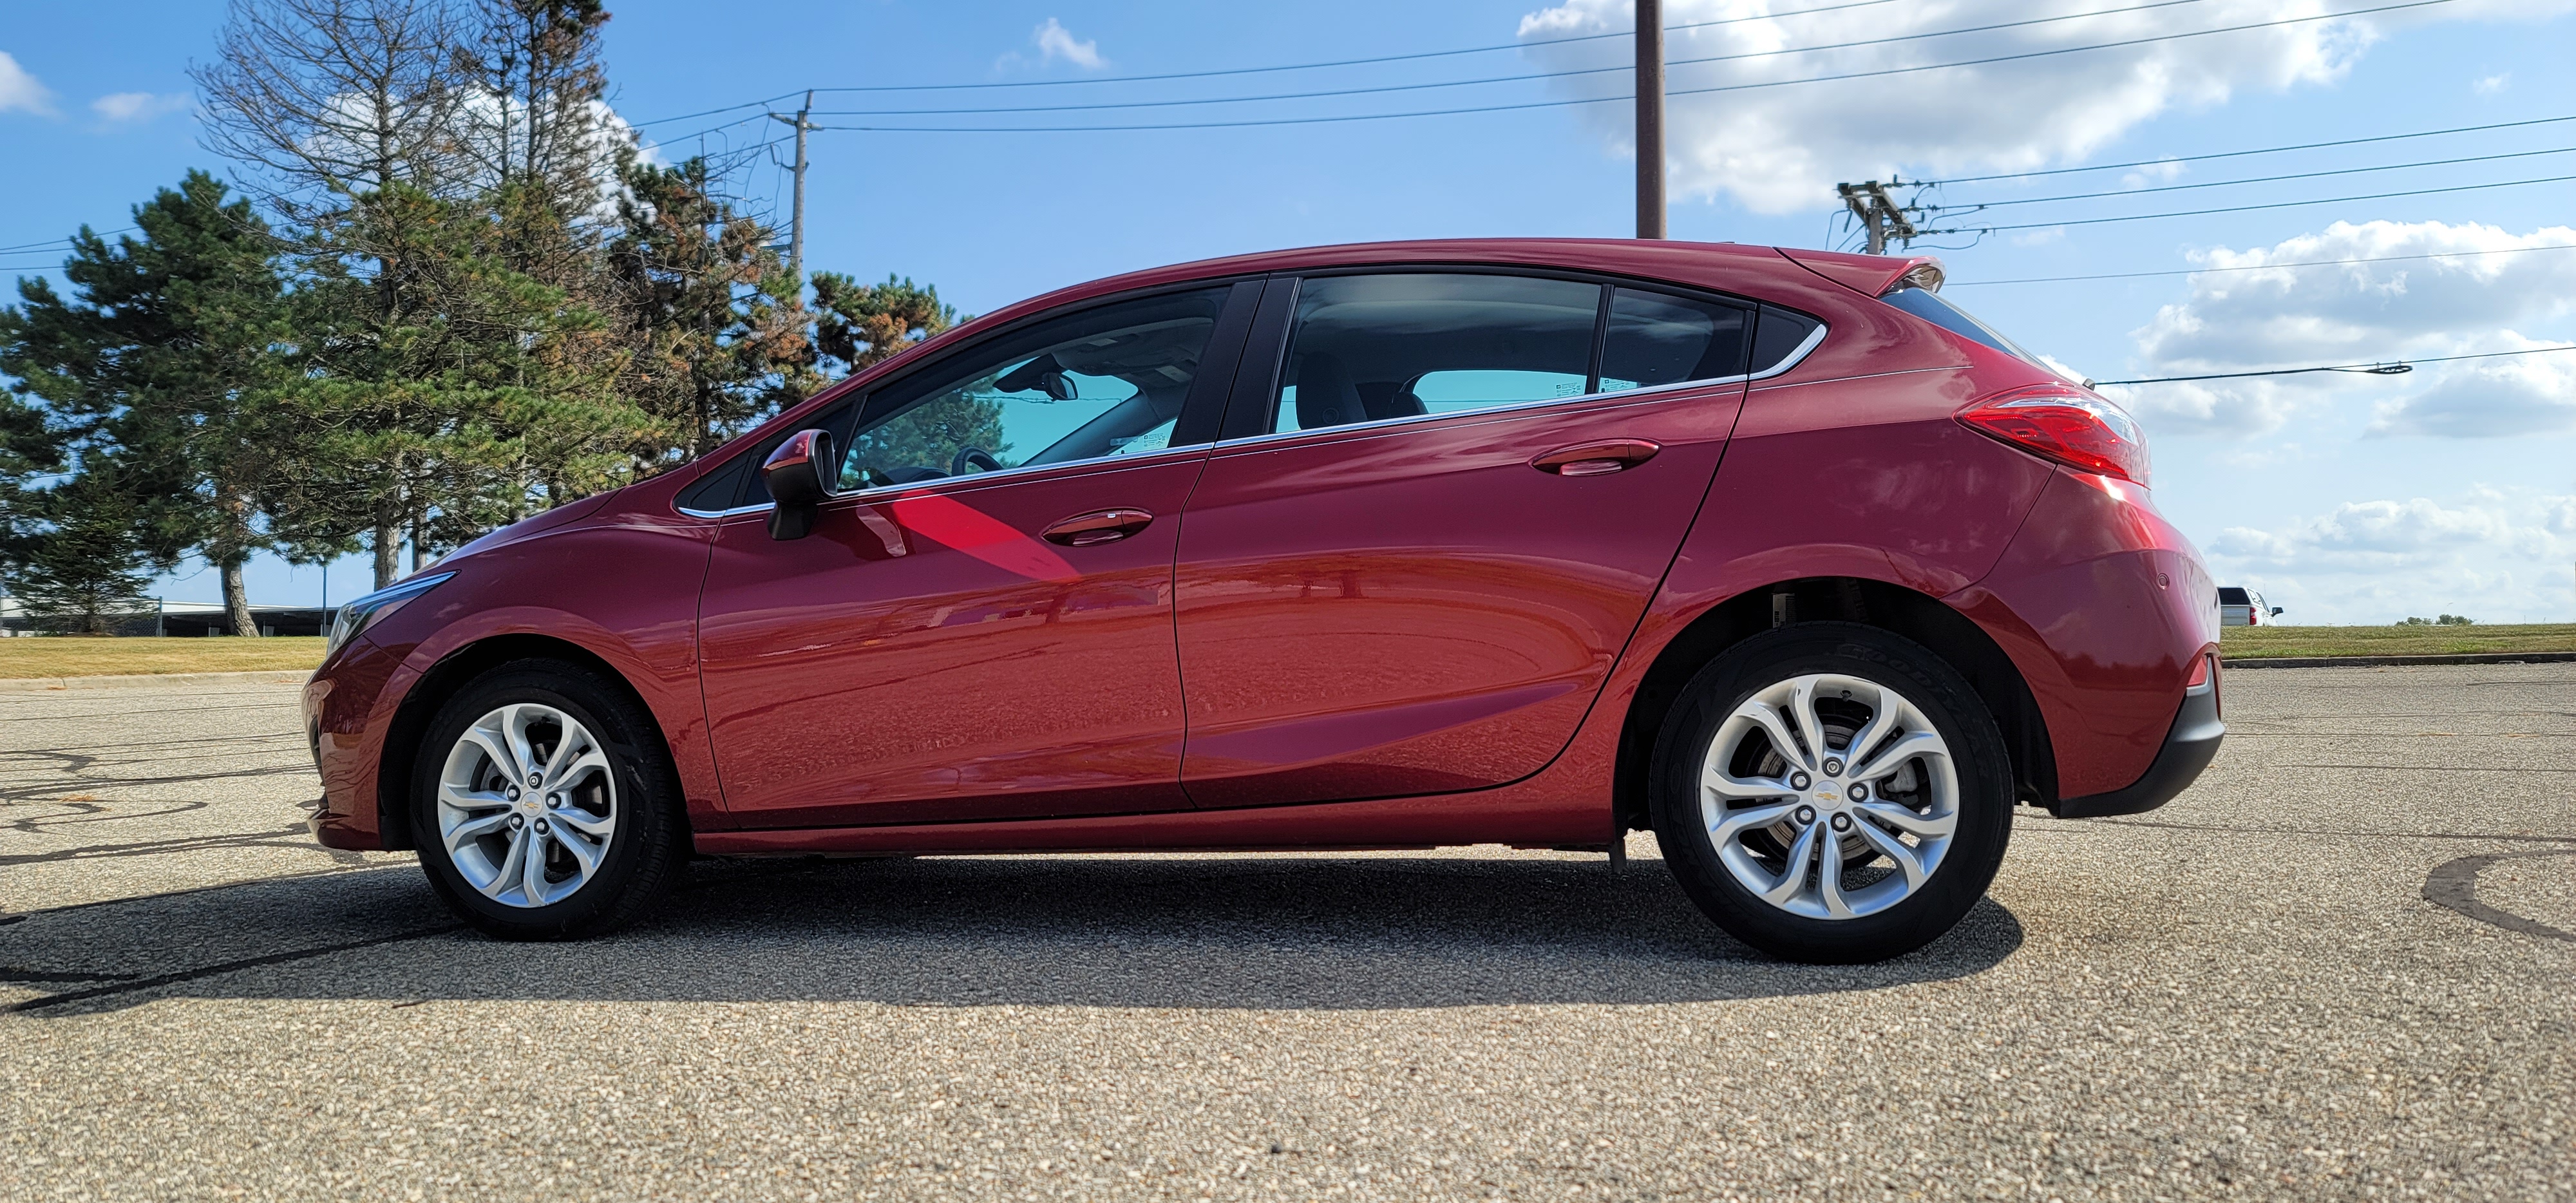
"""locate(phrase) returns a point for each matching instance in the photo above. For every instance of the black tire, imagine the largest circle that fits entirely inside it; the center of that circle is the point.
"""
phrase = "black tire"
(1976, 745)
(650, 841)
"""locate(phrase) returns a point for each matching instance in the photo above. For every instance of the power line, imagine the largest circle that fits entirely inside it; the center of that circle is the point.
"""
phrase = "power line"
(64, 242)
(2394, 367)
(1550, 104)
(2256, 267)
(2262, 179)
(2233, 154)
(1501, 79)
(1348, 62)
(2327, 200)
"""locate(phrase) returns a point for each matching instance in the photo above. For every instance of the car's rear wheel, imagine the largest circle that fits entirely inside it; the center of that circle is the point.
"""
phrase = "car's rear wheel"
(545, 806)
(1831, 792)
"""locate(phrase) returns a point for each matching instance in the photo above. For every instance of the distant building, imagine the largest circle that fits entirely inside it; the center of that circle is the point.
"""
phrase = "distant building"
(169, 618)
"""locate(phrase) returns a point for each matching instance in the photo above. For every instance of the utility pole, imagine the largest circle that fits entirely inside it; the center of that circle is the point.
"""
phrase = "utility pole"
(796, 220)
(1879, 213)
(1650, 118)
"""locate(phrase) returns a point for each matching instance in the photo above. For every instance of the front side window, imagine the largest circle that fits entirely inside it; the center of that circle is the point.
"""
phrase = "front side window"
(1370, 348)
(1100, 383)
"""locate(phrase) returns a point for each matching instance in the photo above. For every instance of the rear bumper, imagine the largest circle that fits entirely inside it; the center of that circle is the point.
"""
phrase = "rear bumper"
(2188, 748)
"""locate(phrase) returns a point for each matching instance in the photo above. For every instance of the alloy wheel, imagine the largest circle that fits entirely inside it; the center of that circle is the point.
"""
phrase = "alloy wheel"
(527, 805)
(1829, 796)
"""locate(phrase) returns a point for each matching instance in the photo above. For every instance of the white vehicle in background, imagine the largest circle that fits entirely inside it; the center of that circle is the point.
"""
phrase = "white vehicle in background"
(2244, 608)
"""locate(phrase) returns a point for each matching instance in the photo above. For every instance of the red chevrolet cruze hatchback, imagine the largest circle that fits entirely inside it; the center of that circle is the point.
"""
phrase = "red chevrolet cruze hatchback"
(1774, 552)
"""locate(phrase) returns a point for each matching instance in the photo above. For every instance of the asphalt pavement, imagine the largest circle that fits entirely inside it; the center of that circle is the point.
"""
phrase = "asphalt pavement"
(2342, 966)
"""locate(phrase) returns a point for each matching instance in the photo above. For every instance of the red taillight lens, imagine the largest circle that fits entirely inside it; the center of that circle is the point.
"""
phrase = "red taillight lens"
(2071, 425)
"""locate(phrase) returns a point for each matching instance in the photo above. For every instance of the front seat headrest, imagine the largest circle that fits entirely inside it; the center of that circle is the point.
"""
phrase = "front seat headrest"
(1324, 393)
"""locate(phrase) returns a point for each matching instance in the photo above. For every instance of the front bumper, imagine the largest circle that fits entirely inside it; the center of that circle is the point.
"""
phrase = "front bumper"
(2188, 748)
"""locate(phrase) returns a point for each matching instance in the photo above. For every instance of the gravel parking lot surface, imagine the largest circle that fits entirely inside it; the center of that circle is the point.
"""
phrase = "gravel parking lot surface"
(2342, 966)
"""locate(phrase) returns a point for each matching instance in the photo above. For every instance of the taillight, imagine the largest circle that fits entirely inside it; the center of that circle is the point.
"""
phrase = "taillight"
(2071, 425)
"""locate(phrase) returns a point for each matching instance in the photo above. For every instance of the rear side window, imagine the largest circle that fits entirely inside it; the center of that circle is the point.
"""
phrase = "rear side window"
(1657, 339)
(2233, 597)
(1368, 348)
(1932, 308)
(1778, 337)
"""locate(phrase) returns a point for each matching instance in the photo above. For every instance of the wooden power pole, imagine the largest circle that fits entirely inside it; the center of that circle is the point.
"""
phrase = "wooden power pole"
(796, 218)
(1650, 118)
(1879, 214)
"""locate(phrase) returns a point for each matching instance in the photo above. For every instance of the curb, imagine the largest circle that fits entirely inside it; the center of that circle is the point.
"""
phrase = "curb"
(2390, 661)
(151, 681)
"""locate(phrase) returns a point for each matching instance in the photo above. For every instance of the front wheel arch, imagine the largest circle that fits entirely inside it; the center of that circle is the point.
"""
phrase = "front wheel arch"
(1920, 617)
(401, 747)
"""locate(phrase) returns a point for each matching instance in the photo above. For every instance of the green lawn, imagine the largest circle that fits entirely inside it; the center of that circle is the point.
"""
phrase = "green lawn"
(2242, 642)
(72, 656)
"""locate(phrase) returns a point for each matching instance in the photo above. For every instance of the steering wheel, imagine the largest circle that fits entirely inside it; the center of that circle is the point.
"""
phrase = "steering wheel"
(973, 457)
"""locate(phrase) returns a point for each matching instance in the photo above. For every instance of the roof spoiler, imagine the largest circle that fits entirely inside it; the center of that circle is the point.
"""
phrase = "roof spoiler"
(1871, 275)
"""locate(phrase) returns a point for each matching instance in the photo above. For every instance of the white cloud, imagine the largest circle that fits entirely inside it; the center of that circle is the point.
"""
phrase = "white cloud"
(2491, 84)
(2494, 555)
(138, 106)
(2244, 320)
(1781, 149)
(2162, 171)
(1054, 41)
(21, 91)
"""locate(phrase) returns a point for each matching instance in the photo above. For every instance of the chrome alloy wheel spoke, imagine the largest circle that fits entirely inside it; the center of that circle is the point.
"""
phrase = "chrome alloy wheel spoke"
(527, 805)
(1829, 796)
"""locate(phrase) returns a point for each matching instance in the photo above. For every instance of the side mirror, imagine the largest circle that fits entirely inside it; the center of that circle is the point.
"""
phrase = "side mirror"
(801, 475)
(2276, 611)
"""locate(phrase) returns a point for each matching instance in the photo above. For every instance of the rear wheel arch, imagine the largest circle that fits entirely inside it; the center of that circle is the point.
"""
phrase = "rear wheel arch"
(421, 705)
(1894, 608)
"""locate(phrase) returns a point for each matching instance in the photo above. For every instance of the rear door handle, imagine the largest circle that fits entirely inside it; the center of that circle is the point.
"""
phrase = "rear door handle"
(1103, 526)
(1597, 459)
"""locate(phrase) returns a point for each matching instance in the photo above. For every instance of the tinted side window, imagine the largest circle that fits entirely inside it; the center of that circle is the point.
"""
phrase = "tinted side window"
(1933, 308)
(1107, 381)
(715, 491)
(1655, 338)
(1779, 336)
(1367, 348)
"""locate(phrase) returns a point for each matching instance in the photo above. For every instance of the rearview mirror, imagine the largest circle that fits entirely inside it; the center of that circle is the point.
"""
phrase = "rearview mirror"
(801, 475)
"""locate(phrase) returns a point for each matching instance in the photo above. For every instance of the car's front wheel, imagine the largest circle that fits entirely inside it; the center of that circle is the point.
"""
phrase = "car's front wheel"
(1832, 792)
(544, 804)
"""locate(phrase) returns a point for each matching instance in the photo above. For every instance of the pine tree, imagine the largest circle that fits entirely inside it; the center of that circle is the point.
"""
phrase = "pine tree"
(165, 362)
(710, 310)
(84, 571)
(859, 324)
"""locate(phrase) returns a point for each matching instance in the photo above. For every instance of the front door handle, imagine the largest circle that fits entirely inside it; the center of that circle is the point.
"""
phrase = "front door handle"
(1103, 526)
(1597, 459)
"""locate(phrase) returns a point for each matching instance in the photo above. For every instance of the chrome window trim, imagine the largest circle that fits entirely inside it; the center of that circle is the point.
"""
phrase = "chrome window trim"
(1814, 339)
(1004, 474)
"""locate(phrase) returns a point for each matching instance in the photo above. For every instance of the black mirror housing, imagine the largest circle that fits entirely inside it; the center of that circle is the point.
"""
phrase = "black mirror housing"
(801, 475)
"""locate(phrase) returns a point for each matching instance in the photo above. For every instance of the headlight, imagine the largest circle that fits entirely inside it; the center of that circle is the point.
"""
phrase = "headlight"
(354, 617)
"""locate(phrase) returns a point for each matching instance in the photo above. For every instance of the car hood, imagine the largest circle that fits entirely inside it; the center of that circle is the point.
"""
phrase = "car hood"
(562, 515)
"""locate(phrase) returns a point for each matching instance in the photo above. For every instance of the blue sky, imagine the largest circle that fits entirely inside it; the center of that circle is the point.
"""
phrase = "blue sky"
(2347, 498)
